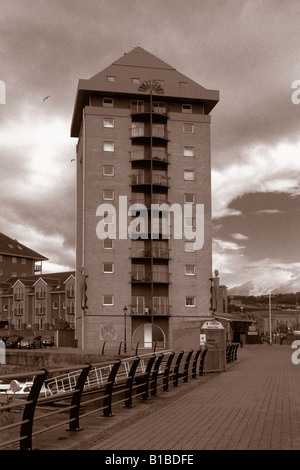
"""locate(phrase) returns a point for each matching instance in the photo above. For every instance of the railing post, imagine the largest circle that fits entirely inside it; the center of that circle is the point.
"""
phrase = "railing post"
(129, 383)
(176, 369)
(153, 386)
(186, 366)
(167, 372)
(137, 348)
(76, 398)
(201, 364)
(103, 347)
(107, 401)
(120, 349)
(145, 384)
(28, 414)
(195, 360)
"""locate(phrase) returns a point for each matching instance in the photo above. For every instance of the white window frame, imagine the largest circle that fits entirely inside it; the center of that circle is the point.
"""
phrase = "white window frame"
(108, 146)
(189, 202)
(109, 123)
(109, 174)
(186, 270)
(187, 108)
(188, 173)
(110, 78)
(108, 102)
(190, 305)
(108, 304)
(188, 151)
(105, 268)
(55, 305)
(108, 247)
(186, 126)
(108, 194)
(189, 247)
(14, 260)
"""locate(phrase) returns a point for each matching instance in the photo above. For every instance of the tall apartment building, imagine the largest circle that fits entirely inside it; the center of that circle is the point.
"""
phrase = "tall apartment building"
(143, 134)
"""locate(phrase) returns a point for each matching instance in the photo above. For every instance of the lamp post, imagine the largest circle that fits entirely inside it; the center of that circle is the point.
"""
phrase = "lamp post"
(125, 310)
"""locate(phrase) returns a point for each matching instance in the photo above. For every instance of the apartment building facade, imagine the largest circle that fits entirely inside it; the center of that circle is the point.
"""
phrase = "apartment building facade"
(38, 302)
(143, 198)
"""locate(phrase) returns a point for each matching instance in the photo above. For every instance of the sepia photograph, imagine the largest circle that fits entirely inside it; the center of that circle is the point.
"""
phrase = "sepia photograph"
(149, 228)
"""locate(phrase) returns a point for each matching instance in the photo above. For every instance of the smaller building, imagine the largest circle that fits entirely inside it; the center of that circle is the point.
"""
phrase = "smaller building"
(17, 259)
(38, 302)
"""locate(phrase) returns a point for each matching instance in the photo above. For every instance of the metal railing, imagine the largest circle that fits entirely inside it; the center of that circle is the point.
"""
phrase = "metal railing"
(98, 387)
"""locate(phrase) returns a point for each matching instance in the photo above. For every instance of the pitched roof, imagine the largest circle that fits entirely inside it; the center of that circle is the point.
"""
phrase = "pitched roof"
(142, 65)
(11, 247)
(54, 279)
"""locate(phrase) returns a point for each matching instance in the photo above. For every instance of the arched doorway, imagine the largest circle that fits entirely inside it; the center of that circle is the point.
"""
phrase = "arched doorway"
(149, 334)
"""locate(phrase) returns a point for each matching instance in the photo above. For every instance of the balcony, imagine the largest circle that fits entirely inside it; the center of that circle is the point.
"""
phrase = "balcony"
(141, 131)
(70, 293)
(157, 252)
(144, 108)
(142, 179)
(40, 295)
(71, 310)
(158, 155)
(18, 312)
(162, 310)
(19, 296)
(40, 311)
(157, 277)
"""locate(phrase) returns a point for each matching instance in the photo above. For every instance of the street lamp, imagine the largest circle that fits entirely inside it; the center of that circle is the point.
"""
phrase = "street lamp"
(125, 310)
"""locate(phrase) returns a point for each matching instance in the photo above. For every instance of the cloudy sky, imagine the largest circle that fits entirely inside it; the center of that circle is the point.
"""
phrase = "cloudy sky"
(247, 49)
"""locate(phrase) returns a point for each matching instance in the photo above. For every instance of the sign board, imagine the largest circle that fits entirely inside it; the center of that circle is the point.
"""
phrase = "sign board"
(252, 333)
(252, 328)
(213, 325)
(202, 339)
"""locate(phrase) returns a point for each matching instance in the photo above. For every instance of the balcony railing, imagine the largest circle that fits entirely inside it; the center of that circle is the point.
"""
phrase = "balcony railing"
(157, 277)
(40, 311)
(159, 155)
(145, 108)
(139, 310)
(70, 310)
(157, 132)
(70, 293)
(19, 296)
(40, 295)
(18, 312)
(155, 253)
(160, 180)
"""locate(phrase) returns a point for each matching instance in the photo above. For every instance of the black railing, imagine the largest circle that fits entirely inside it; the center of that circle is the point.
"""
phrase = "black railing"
(104, 384)
(231, 352)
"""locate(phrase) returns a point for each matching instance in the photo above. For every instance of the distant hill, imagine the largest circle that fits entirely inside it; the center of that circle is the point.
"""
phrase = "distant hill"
(257, 289)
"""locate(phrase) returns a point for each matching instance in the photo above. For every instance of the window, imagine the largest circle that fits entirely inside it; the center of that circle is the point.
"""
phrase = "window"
(55, 306)
(108, 170)
(189, 222)
(190, 269)
(108, 244)
(108, 146)
(188, 128)
(190, 302)
(111, 78)
(187, 108)
(14, 259)
(184, 85)
(189, 151)
(108, 267)
(189, 247)
(14, 274)
(189, 198)
(108, 300)
(108, 122)
(108, 194)
(108, 102)
(137, 106)
(136, 80)
(189, 175)
(5, 307)
(23, 260)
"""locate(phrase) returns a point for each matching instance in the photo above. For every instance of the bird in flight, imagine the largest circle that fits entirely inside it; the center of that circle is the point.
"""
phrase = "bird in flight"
(46, 98)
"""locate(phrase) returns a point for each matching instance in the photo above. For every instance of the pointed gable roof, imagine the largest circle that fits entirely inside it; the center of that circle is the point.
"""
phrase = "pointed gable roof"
(142, 65)
(11, 247)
